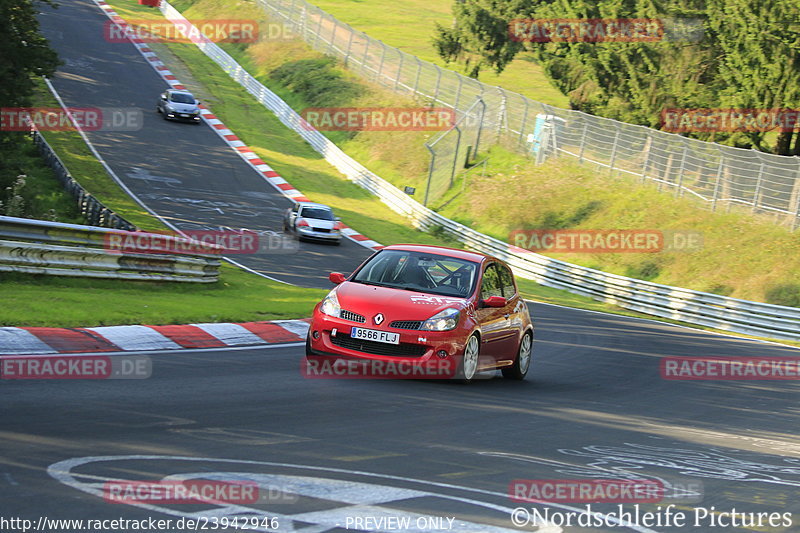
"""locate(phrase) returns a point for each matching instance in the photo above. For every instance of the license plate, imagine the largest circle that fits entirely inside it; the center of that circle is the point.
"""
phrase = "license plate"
(184, 115)
(375, 335)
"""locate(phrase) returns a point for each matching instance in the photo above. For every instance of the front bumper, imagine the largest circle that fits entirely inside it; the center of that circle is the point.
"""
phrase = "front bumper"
(442, 349)
(321, 235)
(174, 115)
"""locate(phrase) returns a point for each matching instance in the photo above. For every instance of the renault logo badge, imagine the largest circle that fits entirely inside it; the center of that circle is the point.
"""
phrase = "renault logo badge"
(378, 319)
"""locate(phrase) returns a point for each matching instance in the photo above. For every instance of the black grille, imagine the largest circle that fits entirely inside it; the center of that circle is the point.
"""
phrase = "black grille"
(406, 324)
(322, 230)
(378, 348)
(353, 317)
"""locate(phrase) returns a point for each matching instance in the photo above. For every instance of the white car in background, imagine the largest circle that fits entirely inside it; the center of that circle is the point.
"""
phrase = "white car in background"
(178, 105)
(313, 221)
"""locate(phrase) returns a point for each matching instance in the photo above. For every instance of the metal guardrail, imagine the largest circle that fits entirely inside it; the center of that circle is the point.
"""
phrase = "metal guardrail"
(685, 305)
(714, 173)
(90, 207)
(42, 247)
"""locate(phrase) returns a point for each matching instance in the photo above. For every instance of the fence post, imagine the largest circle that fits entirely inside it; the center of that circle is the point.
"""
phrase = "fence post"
(366, 51)
(430, 174)
(796, 220)
(438, 83)
(614, 149)
(455, 156)
(480, 124)
(522, 124)
(718, 183)
(419, 71)
(349, 46)
(319, 27)
(501, 113)
(332, 47)
(795, 197)
(648, 144)
(458, 92)
(399, 70)
(380, 65)
(681, 170)
(759, 181)
(583, 140)
(667, 172)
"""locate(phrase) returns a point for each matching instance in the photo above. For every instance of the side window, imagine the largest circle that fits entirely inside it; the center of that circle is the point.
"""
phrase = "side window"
(491, 284)
(507, 282)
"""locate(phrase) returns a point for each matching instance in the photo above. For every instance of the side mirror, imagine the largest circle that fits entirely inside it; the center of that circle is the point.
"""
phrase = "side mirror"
(197, 102)
(495, 301)
(336, 277)
(337, 219)
(163, 97)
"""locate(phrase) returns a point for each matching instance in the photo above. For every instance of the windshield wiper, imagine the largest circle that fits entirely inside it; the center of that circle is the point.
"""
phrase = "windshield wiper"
(375, 283)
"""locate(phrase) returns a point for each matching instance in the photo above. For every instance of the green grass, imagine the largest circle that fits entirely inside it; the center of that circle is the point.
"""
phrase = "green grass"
(239, 296)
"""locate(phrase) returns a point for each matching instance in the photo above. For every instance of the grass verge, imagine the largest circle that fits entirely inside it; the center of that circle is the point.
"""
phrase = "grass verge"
(52, 301)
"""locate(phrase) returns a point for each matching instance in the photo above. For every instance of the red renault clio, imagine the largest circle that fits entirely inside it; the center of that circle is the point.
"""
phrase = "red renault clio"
(421, 305)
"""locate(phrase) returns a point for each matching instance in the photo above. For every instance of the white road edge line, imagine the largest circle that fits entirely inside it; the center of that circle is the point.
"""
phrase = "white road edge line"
(653, 320)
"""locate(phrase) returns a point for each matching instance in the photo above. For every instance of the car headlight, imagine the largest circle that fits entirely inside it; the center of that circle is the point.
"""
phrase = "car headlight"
(444, 320)
(330, 305)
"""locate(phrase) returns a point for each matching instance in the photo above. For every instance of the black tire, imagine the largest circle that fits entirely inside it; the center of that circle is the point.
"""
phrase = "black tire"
(522, 362)
(468, 367)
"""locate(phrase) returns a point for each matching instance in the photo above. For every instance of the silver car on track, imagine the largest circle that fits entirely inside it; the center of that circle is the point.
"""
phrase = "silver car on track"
(313, 221)
(178, 105)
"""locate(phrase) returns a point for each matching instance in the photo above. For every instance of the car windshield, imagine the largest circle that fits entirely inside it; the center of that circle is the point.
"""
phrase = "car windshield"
(181, 98)
(317, 213)
(420, 271)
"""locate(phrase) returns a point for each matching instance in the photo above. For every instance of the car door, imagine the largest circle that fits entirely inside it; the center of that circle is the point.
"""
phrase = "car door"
(493, 320)
(513, 311)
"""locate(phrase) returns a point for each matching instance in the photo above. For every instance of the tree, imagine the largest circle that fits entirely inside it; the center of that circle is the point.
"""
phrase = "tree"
(759, 42)
(24, 52)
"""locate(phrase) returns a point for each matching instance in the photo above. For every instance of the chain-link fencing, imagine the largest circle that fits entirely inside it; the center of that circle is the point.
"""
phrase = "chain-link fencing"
(716, 174)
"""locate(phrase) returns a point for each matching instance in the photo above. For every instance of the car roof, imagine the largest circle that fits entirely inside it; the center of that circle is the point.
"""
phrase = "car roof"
(312, 204)
(179, 91)
(476, 257)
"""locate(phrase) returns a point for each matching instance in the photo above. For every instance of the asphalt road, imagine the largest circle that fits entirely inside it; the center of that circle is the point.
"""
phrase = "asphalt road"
(594, 405)
(183, 172)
